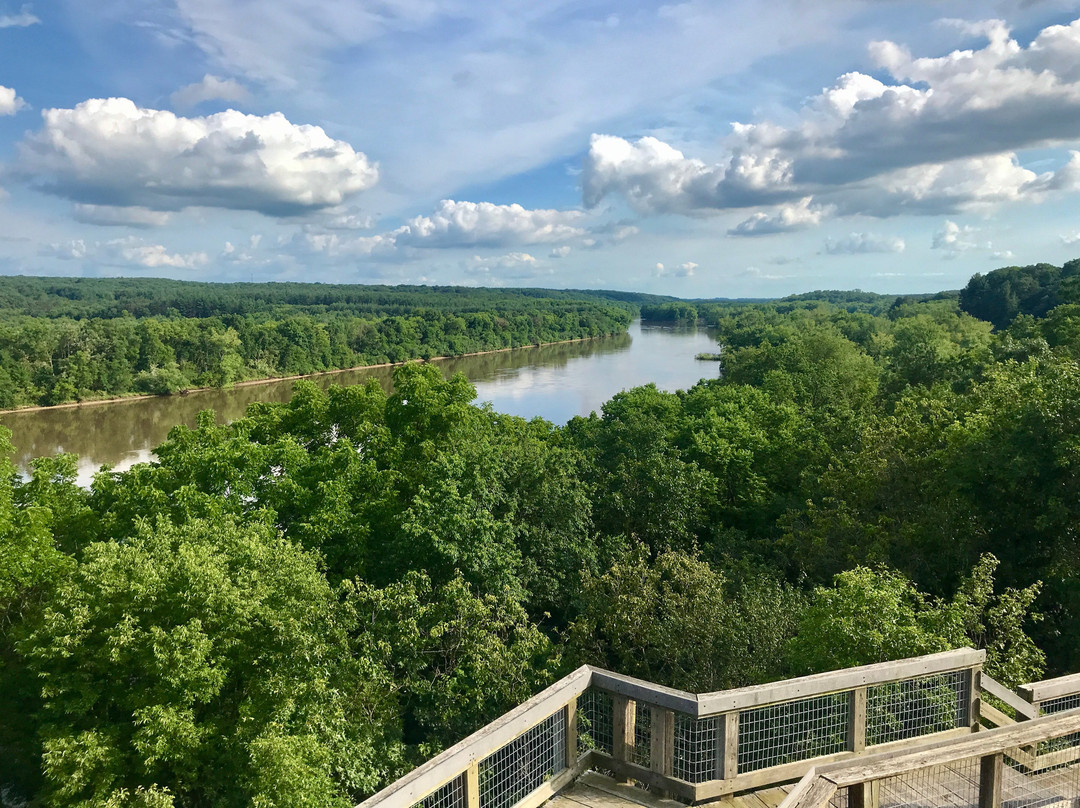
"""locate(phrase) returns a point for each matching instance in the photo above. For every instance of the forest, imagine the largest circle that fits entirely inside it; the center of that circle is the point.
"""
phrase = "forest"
(69, 339)
(295, 608)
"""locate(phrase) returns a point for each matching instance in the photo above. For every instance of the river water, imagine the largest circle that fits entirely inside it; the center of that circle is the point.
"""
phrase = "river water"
(555, 382)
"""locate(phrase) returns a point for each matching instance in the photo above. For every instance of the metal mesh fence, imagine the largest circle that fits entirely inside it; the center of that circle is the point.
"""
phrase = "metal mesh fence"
(524, 764)
(642, 734)
(953, 785)
(595, 722)
(795, 730)
(451, 795)
(696, 748)
(1060, 704)
(915, 707)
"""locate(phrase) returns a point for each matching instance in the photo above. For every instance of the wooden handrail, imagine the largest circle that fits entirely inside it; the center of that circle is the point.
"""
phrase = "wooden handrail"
(443, 768)
(999, 691)
(1038, 692)
(819, 784)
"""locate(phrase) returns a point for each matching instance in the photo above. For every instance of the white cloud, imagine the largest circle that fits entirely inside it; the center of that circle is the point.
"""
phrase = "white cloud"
(347, 219)
(455, 224)
(128, 252)
(683, 270)
(111, 216)
(859, 243)
(798, 216)
(210, 88)
(10, 103)
(1071, 238)
(111, 152)
(1003, 255)
(954, 240)
(941, 138)
(560, 252)
(23, 19)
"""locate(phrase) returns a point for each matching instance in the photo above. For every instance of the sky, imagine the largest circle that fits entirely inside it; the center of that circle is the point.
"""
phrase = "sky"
(723, 148)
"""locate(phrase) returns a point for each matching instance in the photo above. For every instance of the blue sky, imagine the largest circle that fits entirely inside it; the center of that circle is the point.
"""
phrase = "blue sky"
(727, 148)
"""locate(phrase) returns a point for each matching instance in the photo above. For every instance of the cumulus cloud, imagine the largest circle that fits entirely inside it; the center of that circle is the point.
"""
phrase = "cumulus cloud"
(210, 88)
(683, 270)
(111, 152)
(859, 243)
(954, 240)
(10, 103)
(128, 252)
(941, 137)
(1071, 238)
(560, 252)
(798, 216)
(23, 19)
(456, 224)
(112, 216)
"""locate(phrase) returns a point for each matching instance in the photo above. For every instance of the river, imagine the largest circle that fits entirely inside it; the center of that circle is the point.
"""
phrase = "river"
(555, 382)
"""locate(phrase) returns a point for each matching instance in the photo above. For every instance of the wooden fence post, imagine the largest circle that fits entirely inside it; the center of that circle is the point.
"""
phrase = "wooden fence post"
(662, 742)
(472, 785)
(727, 757)
(991, 769)
(974, 705)
(865, 795)
(571, 733)
(856, 728)
(623, 720)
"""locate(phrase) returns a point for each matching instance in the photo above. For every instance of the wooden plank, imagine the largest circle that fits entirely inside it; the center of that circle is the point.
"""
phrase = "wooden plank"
(865, 795)
(999, 691)
(631, 771)
(443, 768)
(974, 692)
(856, 728)
(662, 740)
(994, 715)
(598, 782)
(647, 692)
(571, 732)
(623, 724)
(990, 771)
(817, 793)
(836, 681)
(978, 745)
(1050, 688)
(472, 785)
(1058, 758)
(772, 797)
(728, 758)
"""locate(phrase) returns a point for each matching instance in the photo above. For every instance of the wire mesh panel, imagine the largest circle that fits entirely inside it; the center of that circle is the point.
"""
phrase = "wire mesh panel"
(595, 713)
(696, 748)
(794, 730)
(642, 751)
(915, 707)
(1057, 785)
(1060, 704)
(451, 795)
(524, 764)
(954, 785)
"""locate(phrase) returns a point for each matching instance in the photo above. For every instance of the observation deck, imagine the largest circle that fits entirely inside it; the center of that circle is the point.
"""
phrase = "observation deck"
(926, 732)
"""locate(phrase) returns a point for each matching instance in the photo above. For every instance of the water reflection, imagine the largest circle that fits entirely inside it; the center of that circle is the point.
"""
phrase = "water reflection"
(555, 382)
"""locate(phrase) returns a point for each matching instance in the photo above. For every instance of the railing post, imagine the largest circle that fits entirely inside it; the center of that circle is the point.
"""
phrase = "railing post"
(623, 719)
(570, 712)
(974, 697)
(991, 769)
(662, 742)
(856, 728)
(727, 757)
(865, 795)
(472, 785)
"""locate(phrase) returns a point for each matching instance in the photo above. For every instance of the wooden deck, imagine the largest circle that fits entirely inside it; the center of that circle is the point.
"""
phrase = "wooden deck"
(593, 790)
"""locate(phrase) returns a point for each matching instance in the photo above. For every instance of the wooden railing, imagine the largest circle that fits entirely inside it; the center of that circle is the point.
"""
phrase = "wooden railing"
(695, 747)
(1038, 755)
(1053, 695)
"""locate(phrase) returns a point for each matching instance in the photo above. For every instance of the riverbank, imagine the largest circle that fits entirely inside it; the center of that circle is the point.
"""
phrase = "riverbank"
(277, 379)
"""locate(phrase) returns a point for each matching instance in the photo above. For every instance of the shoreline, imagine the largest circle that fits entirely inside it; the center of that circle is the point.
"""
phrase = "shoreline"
(272, 379)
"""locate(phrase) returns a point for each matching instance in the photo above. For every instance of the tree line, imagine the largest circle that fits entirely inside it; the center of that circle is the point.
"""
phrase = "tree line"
(64, 340)
(297, 607)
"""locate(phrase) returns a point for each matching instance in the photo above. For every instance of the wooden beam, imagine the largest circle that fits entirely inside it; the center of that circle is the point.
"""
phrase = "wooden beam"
(662, 738)
(835, 681)
(1050, 688)
(571, 732)
(866, 795)
(647, 692)
(973, 679)
(728, 754)
(443, 768)
(472, 785)
(623, 722)
(856, 728)
(631, 771)
(999, 691)
(991, 768)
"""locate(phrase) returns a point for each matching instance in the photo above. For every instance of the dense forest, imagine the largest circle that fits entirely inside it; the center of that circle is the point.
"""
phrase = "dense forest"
(295, 608)
(69, 339)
